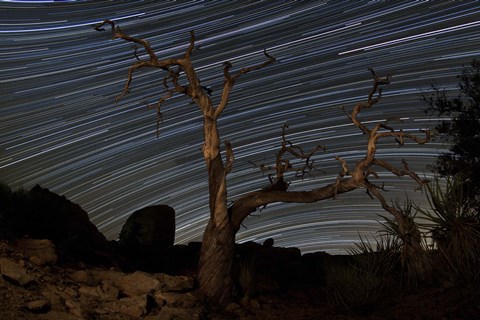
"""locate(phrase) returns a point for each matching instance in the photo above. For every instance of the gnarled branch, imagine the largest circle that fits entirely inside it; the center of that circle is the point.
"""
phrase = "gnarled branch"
(283, 164)
(348, 179)
(118, 33)
(229, 80)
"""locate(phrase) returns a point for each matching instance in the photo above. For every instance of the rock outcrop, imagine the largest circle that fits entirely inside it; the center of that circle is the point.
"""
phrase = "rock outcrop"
(42, 214)
(29, 291)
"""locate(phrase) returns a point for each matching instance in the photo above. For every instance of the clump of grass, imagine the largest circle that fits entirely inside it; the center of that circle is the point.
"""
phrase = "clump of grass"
(247, 276)
(351, 287)
(454, 225)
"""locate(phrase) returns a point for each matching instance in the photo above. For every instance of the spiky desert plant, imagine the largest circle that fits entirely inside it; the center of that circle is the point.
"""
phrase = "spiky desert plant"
(378, 257)
(454, 225)
(415, 264)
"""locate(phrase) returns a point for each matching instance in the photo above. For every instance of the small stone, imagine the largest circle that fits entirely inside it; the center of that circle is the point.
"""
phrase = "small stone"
(59, 315)
(170, 313)
(74, 307)
(107, 291)
(71, 292)
(90, 291)
(52, 294)
(232, 307)
(185, 300)
(84, 277)
(40, 251)
(15, 272)
(254, 304)
(245, 301)
(39, 306)
(137, 283)
(134, 307)
(175, 283)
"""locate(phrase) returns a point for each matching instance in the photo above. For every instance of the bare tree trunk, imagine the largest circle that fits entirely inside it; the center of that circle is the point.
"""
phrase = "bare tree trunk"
(218, 248)
(215, 268)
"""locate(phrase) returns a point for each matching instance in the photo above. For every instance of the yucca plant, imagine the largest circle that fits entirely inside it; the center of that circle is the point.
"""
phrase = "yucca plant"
(415, 264)
(378, 258)
(454, 225)
(356, 286)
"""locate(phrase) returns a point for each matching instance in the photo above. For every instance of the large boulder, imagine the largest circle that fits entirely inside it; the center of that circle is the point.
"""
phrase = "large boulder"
(150, 229)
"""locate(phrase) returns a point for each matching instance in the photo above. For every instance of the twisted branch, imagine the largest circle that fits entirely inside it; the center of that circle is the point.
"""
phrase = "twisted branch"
(347, 179)
(284, 165)
(229, 80)
(118, 33)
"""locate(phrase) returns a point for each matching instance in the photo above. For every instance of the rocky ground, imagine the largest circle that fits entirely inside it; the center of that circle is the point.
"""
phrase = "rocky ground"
(56, 265)
(33, 286)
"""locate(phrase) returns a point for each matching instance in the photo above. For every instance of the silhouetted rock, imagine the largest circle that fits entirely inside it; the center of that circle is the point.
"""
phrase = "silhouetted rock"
(146, 240)
(151, 229)
(268, 243)
(42, 214)
(315, 264)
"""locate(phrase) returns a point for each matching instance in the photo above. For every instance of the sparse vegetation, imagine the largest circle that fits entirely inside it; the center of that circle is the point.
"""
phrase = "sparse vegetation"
(352, 287)
(415, 265)
(247, 275)
(455, 230)
(460, 129)
(380, 258)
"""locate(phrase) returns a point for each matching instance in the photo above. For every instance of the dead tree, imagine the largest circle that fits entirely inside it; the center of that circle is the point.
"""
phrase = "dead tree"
(217, 253)
(284, 164)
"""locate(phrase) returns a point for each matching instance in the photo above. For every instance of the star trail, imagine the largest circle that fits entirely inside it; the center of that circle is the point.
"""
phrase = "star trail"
(61, 128)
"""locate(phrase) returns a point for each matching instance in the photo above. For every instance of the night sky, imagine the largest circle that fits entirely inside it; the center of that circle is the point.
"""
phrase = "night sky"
(60, 126)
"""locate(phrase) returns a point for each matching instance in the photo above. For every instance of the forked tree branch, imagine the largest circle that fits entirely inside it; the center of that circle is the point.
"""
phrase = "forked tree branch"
(194, 89)
(229, 80)
(290, 158)
(347, 179)
(118, 33)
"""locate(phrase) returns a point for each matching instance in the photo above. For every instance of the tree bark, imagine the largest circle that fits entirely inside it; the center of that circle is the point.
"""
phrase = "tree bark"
(249, 203)
(215, 267)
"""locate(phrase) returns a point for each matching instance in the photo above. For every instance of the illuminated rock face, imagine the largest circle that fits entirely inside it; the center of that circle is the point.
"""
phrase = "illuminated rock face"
(151, 228)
